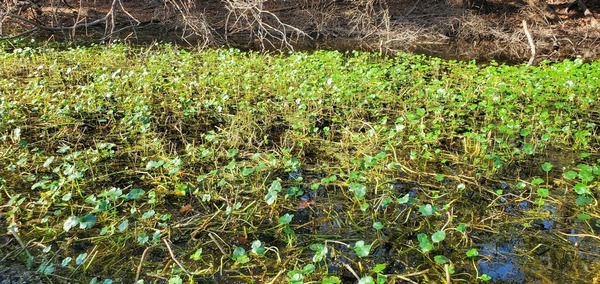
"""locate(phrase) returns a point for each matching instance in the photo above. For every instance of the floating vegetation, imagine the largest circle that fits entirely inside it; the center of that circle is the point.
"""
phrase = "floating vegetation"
(136, 165)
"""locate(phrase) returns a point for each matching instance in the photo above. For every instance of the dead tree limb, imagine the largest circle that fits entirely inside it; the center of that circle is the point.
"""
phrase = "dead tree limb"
(531, 43)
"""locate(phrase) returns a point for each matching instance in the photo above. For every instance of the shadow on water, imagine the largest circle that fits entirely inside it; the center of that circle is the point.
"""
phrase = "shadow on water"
(550, 251)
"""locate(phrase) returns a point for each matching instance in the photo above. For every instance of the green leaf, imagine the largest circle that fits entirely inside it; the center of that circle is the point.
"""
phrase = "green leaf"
(275, 186)
(320, 252)
(583, 216)
(366, 280)
(461, 228)
(584, 200)
(308, 269)
(364, 206)
(87, 221)
(438, 236)
(143, 239)
(197, 255)
(546, 167)
(70, 223)
(543, 192)
(232, 153)
(258, 247)
(123, 225)
(148, 214)
(379, 268)
(426, 210)
(239, 255)
(67, 197)
(66, 261)
(537, 181)
(331, 280)
(361, 248)
(154, 164)
(295, 276)
(285, 219)
(271, 197)
(403, 199)
(377, 226)
(424, 242)
(247, 171)
(175, 280)
(586, 175)
(570, 175)
(135, 194)
(485, 277)
(439, 177)
(528, 148)
(582, 189)
(81, 258)
(472, 252)
(440, 259)
(358, 189)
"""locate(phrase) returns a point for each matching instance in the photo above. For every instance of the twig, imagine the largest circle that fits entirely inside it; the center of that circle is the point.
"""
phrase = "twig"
(212, 236)
(13, 231)
(580, 235)
(406, 279)
(531, 43)
(351, 270)
(447, 271)
(173, 257)
(139, 268)
(20, 34)
(276, 276)
(42, 27)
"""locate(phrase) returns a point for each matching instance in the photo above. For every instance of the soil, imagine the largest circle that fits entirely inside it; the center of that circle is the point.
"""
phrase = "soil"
(480, 30)
(12, 271)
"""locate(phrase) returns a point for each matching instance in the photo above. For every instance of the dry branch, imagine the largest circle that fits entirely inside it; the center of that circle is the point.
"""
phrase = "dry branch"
(531, 43)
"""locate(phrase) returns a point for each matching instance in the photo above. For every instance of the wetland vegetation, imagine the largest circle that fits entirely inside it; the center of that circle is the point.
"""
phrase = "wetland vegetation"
(155, 164)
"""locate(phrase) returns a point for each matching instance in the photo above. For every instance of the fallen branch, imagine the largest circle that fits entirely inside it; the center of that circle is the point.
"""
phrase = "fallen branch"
(20, 34)
(174, 258)
(46, 28)
(531, 43)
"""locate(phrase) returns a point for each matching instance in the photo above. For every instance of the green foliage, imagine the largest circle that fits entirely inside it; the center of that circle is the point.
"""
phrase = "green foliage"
(111, 150)
(362, 249)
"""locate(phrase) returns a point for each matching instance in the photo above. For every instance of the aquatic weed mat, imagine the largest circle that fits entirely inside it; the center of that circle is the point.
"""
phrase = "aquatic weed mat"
(154, 165)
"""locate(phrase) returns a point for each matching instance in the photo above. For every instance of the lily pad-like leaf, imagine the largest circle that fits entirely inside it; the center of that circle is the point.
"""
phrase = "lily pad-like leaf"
(440, 259)
(81, 258)
(87, 221)
(258, 247)
(70, 223)
(135, 194)
(239, 255)
(359, 189)
(123, 226)
(426, 210)
(362, 249)
(582, 189)
(472, 252)
(285, 219)
(438, 236)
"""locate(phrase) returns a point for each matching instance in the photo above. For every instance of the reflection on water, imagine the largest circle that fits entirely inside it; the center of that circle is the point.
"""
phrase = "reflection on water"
(500, 262)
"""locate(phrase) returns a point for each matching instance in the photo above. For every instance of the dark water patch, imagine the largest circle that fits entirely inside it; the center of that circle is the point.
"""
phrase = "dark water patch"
(501, 262)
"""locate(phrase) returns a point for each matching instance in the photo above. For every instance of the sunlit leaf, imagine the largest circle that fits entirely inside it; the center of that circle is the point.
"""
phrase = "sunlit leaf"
(70, 223)
(440, 259)
(362, 249)
(87, 221)
(438, 236)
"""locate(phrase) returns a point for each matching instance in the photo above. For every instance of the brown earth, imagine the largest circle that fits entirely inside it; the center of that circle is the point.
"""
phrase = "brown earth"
(481, 30)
